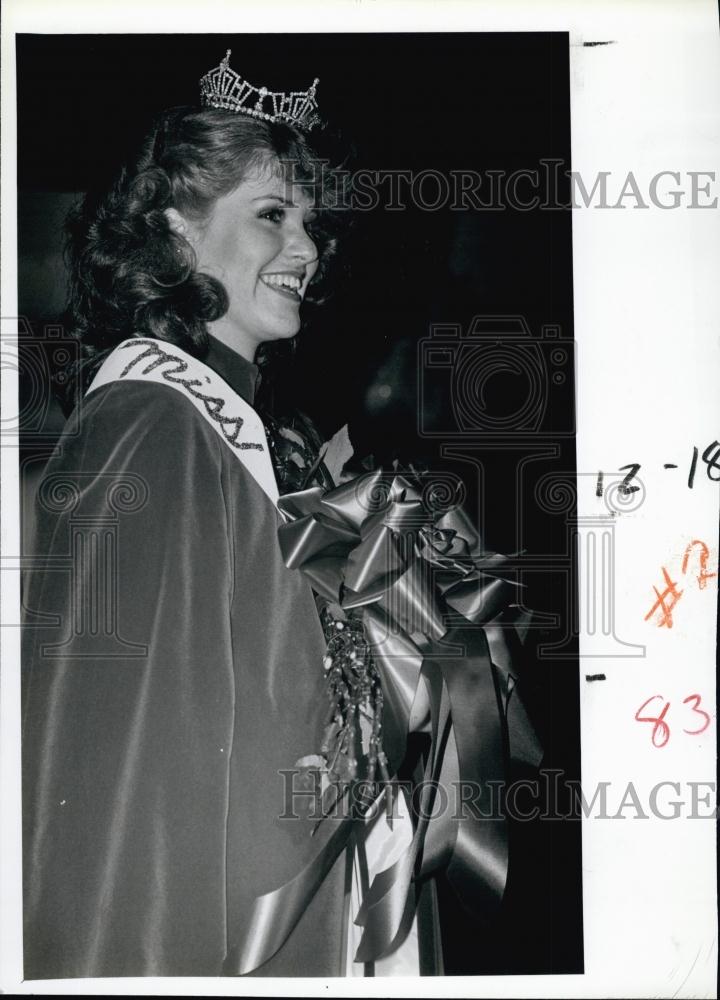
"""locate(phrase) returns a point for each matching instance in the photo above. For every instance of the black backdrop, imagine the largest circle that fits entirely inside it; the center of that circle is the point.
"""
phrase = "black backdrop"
(413, 102)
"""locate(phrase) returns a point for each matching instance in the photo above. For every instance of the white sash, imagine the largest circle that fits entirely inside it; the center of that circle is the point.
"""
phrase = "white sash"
(230, 416)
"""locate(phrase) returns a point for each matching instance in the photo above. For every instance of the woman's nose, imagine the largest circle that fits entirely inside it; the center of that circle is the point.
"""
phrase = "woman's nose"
(301, 246)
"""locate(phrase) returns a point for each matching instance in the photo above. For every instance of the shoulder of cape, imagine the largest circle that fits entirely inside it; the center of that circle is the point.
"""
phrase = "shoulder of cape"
(231, 417)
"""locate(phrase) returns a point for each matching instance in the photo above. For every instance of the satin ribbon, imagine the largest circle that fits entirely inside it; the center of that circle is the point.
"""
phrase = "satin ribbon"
(371, 544)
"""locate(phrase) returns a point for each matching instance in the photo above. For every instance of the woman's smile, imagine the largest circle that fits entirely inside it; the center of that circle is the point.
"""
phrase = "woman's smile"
(285, 283)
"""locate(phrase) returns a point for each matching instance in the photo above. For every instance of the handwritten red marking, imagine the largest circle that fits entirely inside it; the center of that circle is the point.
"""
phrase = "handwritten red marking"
(669, 597)
(666, 609)
(659, 725)
(703, 575)
(700, 711)
(661, 730)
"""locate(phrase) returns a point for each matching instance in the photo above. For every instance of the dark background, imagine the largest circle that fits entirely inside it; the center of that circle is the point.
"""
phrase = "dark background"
(413, 102)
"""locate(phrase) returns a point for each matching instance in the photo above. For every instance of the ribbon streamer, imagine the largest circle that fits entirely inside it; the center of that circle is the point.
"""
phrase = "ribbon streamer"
(442, 619)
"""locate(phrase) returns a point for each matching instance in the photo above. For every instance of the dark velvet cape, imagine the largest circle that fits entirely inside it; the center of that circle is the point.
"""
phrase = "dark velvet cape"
(172, 667)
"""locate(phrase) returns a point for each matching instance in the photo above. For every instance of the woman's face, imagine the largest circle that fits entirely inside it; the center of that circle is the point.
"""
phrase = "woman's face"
(256, 243)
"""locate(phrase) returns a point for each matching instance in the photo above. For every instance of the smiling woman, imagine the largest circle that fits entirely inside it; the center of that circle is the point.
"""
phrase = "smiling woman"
(184, 673)
(176, 248)
(256, 243)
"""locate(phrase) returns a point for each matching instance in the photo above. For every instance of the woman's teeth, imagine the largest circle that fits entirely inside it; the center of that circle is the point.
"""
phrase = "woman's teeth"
(287, 284)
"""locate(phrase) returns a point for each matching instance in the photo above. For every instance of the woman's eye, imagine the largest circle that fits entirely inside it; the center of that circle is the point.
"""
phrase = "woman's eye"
(273, 214)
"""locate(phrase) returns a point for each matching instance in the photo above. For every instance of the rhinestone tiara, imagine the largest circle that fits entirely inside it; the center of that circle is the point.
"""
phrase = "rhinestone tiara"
(222, 87)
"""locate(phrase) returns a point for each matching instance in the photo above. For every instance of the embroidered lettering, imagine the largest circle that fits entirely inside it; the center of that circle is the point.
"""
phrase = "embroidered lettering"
(214, 405)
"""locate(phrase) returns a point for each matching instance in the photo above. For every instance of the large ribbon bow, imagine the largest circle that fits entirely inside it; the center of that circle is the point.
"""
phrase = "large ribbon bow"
(445, 627)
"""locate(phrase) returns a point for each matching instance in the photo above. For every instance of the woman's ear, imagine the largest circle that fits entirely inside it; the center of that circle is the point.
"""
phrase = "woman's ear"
(179, 224)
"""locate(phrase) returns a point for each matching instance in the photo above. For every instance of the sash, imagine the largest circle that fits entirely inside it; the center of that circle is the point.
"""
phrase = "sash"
(230, 416)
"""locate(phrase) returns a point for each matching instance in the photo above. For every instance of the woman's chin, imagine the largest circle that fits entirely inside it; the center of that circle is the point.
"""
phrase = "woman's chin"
(282, 333)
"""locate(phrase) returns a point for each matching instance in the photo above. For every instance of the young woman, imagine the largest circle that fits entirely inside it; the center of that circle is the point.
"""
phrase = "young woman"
(173, 668)
(173, 664)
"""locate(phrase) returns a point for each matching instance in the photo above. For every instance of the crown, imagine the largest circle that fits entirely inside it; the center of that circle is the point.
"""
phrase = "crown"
(222, 87)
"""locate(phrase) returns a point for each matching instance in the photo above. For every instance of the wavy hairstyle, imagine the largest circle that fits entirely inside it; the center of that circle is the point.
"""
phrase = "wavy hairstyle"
(130, 273)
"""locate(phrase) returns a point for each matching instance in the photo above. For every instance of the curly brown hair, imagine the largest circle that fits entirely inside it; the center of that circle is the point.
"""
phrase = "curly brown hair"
(130, 273)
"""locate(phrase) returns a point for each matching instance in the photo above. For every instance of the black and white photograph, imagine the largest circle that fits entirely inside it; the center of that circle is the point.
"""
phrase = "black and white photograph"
(358, 539)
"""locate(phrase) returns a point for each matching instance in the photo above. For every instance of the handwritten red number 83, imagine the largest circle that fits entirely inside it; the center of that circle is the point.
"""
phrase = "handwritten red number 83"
(661, 730)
